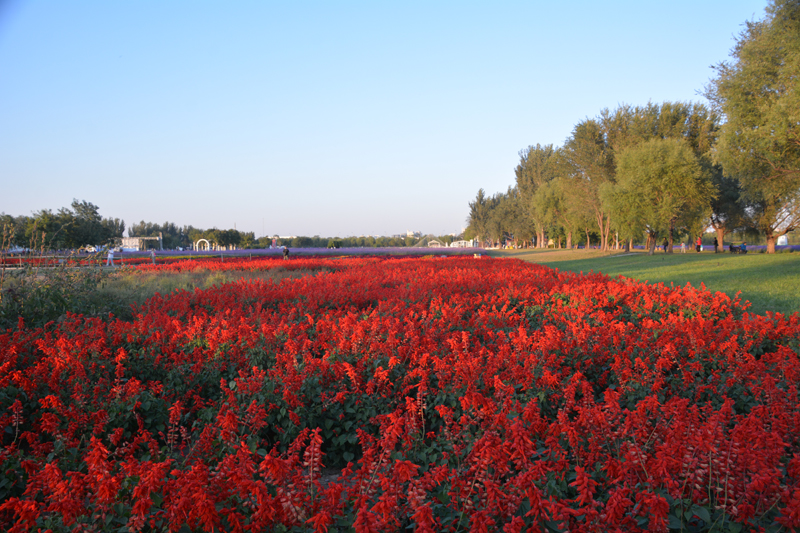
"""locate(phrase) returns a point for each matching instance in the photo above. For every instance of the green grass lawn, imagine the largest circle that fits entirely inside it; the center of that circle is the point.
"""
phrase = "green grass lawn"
(769, 282)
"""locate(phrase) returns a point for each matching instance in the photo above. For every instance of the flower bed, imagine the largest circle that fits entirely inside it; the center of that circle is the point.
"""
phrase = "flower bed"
(442, 394)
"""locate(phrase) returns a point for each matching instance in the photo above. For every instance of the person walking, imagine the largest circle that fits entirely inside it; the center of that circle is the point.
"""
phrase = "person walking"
(716, 245)
(153, 256)
(110, 257)
(683, 247)
(664, 245)
(285, 252)
(699, 244)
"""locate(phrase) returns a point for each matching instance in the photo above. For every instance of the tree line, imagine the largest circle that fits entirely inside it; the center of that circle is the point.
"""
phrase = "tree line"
(665, 171)
(69, 227)
(81, 224)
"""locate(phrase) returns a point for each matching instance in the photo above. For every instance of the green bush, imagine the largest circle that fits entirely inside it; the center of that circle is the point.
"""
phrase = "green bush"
(41, 295)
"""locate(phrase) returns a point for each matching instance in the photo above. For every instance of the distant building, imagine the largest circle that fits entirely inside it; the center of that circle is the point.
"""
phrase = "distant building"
(433, 243)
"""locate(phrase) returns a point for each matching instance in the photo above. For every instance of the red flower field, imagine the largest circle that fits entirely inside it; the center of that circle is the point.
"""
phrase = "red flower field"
(383, 394)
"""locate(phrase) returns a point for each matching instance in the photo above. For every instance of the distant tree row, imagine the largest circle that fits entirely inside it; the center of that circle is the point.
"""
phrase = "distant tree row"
(354, 242)
(81, 225)
(174, 236)
(69, 227)
(662, 170)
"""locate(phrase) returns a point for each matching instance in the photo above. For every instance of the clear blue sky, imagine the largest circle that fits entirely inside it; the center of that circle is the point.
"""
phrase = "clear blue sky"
(328, 118)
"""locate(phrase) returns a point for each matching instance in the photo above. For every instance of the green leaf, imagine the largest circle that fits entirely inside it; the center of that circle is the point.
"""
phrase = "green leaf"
(702, 512)
(675, 522)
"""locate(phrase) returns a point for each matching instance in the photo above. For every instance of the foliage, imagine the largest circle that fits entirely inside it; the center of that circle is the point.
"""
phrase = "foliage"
(441, 394)
(73, 227)
(660, 185)
(572, 189)
(538, 166)
(590, 166)
(479, 213)
(38, 295)
(173, 236)
(759, 143)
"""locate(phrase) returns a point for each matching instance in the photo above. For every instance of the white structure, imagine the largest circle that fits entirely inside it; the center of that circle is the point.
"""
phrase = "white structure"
(433, 243)
(136, 244)
(783, 240)
(131, 244)
(461, 244)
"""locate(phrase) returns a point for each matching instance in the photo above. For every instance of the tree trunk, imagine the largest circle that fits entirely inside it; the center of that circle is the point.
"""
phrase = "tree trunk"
(569, 240)
(720, 239)
(652, 239)
(588, 242)
(671, 236)
(771, 238)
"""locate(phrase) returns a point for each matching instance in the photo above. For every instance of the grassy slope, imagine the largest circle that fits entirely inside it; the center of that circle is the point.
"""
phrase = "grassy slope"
(769, 282)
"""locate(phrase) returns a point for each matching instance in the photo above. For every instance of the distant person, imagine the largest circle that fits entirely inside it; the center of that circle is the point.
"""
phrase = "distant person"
(743, 248)
(716, 245)
(664, 245)
(110, 257)
(153, 256)
(683, 247)
(699, 244)
(285, 252)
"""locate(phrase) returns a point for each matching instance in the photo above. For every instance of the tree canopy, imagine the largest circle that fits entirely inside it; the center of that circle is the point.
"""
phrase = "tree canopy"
(660, 185)
(759, 143)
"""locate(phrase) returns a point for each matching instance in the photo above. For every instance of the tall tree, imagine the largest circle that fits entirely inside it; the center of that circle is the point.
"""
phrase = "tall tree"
(87, 226)
(479, 213)
(589, 156)
(502, 215)
(759, 93)
(538, 165)
(114, 227)
(727, 210)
